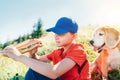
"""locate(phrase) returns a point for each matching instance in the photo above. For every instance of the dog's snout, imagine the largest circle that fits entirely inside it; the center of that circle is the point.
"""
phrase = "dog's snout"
(91, 42)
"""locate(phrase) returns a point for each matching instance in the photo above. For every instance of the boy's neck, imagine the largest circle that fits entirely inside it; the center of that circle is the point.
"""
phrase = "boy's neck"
(67, 47)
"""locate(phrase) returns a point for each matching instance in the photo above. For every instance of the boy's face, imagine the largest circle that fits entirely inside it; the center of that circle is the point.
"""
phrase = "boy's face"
(63, 40)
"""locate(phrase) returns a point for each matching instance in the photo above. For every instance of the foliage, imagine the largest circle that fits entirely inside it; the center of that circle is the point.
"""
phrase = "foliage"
(84, 38)
(37, 32)
(1, 45)
(17, 77)
(6, 44)
(8, 68)
(114, 74)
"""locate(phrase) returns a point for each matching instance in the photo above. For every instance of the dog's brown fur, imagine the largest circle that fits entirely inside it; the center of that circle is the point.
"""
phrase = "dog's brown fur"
(109, 58)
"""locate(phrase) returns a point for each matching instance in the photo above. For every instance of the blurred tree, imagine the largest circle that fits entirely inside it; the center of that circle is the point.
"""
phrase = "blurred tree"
(6, 44)
(37, 29)
(36, 33)
(20, 39)
(1, 46)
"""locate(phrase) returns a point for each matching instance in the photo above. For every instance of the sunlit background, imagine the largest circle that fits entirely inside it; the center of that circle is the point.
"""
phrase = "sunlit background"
(17, 17)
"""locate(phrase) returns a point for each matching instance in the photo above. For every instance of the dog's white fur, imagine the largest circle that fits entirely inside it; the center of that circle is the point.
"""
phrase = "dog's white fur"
(110, 38)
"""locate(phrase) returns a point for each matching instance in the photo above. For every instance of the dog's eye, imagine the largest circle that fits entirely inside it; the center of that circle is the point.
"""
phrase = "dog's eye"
(100, 34)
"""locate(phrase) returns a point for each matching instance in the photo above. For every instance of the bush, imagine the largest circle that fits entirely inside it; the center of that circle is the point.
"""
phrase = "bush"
(17, 77)
(114, 74)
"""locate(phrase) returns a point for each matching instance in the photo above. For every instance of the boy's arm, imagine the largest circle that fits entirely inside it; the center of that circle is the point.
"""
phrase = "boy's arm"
(51, 71)
(42, 58)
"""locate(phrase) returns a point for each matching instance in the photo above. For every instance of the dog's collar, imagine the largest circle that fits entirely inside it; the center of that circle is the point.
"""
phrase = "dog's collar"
(116, 45)
(100, 48)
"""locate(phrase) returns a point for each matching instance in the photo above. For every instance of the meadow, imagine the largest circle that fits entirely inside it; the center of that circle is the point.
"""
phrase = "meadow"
(9, 68)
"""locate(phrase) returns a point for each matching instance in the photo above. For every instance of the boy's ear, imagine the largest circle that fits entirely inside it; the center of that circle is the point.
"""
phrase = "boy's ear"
(75, 35)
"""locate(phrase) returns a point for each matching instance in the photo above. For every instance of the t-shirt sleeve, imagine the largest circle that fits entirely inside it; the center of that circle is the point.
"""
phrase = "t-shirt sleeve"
(78, 55)
(54, 54)
(50, 55)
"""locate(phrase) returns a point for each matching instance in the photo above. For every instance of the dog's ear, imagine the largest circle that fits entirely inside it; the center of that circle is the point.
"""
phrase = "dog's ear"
(112, 37)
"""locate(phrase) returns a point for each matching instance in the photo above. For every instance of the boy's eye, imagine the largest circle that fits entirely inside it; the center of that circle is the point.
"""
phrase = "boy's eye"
(59, 34)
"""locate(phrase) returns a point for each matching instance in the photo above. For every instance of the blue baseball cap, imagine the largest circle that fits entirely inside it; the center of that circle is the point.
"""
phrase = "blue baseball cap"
(64, 25)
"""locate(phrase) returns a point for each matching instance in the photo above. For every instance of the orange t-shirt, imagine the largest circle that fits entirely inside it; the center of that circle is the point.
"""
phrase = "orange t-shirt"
(77, 54)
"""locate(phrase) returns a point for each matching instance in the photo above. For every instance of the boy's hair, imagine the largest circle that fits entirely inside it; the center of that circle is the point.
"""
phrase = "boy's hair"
(64, 25)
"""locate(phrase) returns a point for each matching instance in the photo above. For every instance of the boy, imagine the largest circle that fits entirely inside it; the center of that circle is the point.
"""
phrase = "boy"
(67, 60)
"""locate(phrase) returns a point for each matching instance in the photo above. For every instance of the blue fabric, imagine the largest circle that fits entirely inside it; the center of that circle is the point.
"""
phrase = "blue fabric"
(64, 25)
(32, 75)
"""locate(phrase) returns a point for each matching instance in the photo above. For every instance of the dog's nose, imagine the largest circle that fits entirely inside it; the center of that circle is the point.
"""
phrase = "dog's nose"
(91, 42)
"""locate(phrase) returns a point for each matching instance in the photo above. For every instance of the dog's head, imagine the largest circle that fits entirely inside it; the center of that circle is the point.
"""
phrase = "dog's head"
(105, 36)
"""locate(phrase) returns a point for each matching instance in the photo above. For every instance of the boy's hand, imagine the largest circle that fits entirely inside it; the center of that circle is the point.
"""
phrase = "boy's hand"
(11, 52)
(33, 53)
(30, 46)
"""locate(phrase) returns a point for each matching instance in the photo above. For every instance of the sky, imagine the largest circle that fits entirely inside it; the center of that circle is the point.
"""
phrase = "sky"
(17, 17)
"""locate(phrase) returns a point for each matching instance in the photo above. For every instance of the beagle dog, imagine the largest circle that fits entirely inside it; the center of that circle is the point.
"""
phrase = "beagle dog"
(106, 40)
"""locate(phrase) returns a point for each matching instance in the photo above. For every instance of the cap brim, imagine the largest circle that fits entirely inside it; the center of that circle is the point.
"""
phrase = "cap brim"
(57, 30)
